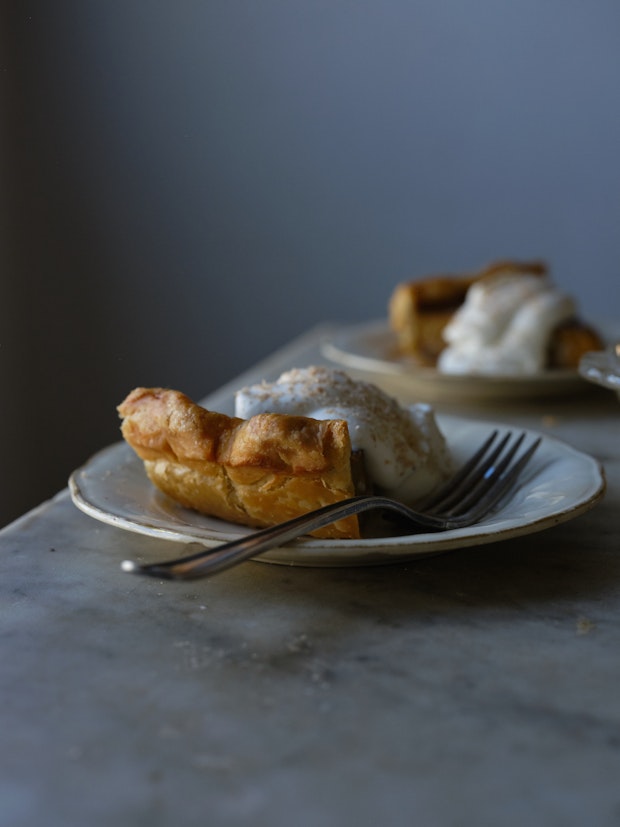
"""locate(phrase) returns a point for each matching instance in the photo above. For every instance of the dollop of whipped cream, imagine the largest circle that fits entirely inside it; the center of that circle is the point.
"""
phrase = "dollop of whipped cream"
(405, 453)
(504, 326)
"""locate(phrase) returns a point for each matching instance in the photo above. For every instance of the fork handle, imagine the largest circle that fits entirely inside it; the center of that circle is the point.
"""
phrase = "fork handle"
(211, 561)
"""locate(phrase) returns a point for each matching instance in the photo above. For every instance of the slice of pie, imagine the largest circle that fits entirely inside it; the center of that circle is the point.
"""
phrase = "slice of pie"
(257, 471)
(420, 310)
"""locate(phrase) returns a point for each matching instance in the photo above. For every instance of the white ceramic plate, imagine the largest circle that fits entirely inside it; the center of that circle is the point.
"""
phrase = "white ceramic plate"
(371, 347)
(559, 484)
(603, 368)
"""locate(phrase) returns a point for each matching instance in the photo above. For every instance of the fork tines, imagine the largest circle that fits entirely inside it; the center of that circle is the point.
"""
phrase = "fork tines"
(484, 477)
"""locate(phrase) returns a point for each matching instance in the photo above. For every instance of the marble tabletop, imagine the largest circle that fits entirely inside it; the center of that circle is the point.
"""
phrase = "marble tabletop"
(476, 687)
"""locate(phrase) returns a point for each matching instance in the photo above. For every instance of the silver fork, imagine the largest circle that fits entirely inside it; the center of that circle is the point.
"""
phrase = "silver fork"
(474, 490)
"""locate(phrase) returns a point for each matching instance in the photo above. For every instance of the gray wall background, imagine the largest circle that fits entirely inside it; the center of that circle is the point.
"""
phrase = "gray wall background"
(186, 185)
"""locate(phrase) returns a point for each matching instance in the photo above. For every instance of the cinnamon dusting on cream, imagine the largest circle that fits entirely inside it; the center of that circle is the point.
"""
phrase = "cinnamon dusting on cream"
(404, 449)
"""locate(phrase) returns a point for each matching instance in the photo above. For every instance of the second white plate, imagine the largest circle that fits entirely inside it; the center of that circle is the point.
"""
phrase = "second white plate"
(372, 348)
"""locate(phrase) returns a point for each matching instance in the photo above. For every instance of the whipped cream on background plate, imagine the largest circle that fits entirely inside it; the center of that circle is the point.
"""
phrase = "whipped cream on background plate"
(405, 452)
(504, 326)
